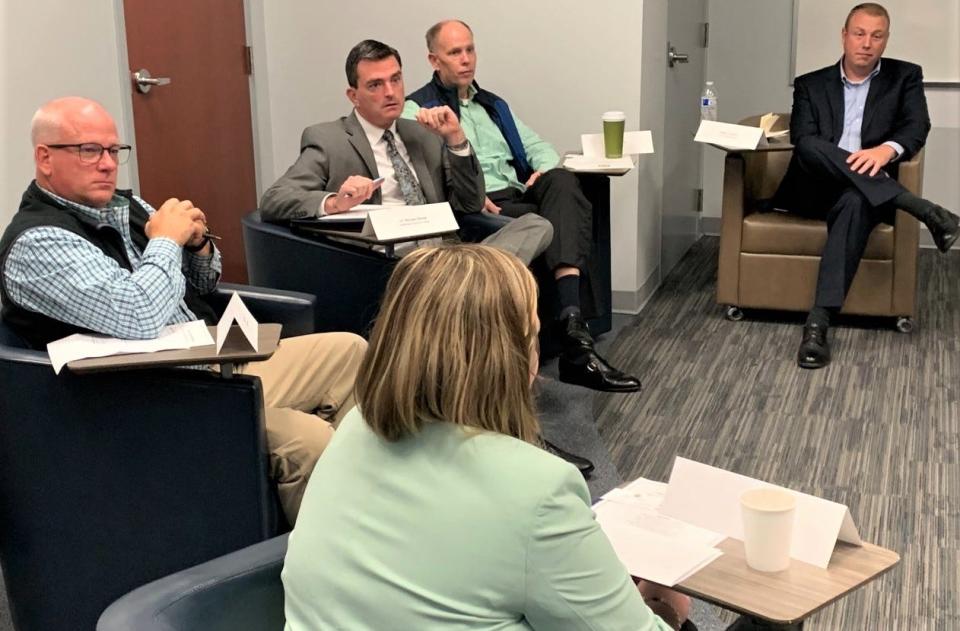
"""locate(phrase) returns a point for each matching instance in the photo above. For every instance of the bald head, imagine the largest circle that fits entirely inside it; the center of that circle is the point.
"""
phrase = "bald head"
(452, 54)
(57, 131)
(65, 116)
(434, 32)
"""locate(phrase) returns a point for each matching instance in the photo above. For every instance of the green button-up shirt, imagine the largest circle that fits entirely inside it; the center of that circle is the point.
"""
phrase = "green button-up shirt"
(491, 147)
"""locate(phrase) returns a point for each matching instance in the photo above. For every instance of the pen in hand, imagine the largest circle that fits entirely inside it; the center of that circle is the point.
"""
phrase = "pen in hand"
(375, 184)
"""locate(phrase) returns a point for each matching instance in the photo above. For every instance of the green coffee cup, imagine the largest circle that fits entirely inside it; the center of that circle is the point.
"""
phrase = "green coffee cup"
(613, 124)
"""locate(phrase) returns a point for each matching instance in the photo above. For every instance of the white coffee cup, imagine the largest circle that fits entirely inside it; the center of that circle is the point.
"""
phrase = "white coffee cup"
(768, 515)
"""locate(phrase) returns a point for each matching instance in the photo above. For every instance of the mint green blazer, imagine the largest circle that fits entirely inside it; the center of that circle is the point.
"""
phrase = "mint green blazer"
(451, 530)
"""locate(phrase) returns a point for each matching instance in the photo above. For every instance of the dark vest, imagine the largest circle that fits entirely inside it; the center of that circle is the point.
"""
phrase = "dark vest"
(38, 209)
(435, 94)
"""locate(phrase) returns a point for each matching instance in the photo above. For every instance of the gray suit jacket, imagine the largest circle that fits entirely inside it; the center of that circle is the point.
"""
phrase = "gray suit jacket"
(332, 152)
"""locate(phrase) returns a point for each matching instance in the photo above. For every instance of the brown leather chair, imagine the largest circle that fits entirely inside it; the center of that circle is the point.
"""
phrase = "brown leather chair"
(769, 260)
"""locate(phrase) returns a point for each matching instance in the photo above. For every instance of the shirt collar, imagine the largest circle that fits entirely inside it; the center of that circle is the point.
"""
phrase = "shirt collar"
(873, 73)
(471, 92)
(374, 134)
(99, 215)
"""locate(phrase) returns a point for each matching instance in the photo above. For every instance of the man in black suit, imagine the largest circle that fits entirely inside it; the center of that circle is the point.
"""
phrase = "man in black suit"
(852, 124)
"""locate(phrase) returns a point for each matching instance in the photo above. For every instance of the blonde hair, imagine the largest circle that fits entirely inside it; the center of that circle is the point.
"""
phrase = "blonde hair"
(870, 8)
(453, 342)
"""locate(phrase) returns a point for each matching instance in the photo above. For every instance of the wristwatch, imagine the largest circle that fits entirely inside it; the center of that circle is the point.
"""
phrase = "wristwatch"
(193, 249)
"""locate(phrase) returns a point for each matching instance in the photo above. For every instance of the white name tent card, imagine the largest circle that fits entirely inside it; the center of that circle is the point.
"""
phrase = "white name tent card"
(710, 498)
(409, 222)
(394, 223)
(84, 346)
(730, 136)
(237, 312)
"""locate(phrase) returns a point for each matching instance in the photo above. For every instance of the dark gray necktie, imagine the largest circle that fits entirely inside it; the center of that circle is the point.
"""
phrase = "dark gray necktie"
(409, 188)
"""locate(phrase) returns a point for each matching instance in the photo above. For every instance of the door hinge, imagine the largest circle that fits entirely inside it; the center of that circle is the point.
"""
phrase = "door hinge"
(248, 60)
(705, 34)
(699, 194)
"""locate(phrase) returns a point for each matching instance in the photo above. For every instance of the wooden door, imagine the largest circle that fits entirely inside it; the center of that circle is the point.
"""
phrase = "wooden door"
(194, 137)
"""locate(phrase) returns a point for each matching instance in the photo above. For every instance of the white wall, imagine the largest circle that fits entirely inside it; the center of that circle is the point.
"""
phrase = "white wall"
(49, 49)
(544, 57)
(752, 69)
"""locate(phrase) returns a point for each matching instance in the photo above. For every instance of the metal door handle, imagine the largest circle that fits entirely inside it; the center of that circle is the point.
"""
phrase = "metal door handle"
(673, 57)
(144, 81)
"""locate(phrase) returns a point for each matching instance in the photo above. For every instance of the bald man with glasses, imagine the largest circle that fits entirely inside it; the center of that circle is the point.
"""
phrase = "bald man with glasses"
(81, 256)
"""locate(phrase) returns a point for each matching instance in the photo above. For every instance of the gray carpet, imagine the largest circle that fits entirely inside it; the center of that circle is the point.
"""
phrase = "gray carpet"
(877, 429)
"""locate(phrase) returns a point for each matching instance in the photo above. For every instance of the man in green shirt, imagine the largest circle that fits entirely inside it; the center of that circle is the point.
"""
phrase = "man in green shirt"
(521, 176)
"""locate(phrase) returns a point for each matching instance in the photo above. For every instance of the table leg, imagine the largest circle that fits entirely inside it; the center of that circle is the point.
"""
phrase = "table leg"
(749, 623)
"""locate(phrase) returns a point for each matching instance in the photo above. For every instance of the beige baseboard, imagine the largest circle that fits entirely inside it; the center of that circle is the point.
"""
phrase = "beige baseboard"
(632, 302)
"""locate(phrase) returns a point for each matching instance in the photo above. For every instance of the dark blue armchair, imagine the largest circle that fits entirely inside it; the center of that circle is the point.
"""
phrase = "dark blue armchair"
(111, 480)
(240, 591)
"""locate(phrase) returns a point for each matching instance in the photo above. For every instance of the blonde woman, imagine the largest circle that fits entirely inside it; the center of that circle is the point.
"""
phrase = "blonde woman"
(433, 507)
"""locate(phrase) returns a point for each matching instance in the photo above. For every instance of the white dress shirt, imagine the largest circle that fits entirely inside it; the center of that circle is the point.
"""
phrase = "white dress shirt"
(390, 193)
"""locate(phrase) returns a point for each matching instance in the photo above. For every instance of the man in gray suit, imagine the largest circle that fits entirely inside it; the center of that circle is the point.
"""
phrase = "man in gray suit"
(373, 156)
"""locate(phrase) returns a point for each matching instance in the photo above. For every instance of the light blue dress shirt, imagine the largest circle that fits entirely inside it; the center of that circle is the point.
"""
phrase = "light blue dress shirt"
(854, 100)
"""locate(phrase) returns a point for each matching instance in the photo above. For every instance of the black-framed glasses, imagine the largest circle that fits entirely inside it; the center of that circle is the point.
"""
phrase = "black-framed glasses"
(91, 152)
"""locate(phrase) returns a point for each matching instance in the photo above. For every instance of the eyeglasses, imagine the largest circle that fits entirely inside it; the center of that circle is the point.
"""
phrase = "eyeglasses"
(91, 152)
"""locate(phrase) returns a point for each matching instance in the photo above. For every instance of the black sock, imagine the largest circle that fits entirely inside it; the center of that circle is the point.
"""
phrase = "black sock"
(916, 206)
(568, 292)
(821, 316)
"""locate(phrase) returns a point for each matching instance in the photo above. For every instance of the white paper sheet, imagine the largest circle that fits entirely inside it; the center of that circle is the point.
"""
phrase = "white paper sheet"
(645, 539)
(634, 142)
(648, 555)
(710, 498)
(237, 312)
(358, 212)
(574, 162)
(83, 346)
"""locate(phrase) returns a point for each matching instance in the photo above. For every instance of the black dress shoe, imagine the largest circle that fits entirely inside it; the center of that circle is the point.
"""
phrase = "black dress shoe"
(580, 364)
(814, 350)
(944, 227)
(584, 466)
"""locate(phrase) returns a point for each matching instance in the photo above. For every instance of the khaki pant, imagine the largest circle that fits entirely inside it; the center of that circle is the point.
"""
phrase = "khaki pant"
(307, 389)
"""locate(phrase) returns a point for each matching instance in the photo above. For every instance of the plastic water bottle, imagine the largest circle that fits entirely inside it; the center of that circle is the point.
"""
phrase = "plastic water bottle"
(708, 103)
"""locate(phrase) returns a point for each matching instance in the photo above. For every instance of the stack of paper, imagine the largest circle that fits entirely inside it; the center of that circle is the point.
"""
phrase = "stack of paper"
(82, 346)
(651, 545)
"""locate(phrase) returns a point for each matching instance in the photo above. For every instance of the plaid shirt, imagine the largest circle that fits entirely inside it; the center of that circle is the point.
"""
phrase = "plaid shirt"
(63, 276)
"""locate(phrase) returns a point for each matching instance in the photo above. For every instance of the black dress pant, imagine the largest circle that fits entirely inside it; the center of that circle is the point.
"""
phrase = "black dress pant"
(558, 197)
(820, 184)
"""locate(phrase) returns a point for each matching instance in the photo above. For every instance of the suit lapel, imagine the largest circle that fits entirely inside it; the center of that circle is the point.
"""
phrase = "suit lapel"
(415, 149)
(358, 138)
(878, 85)
(835, 98)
